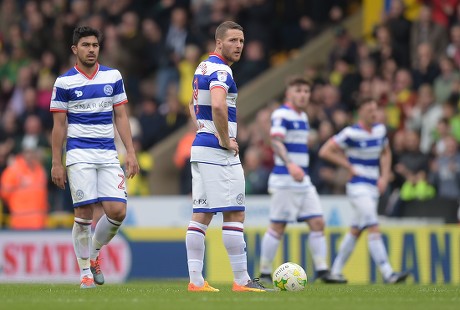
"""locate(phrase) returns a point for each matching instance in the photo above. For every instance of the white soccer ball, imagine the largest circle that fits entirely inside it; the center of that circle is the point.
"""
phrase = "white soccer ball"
(289, 277)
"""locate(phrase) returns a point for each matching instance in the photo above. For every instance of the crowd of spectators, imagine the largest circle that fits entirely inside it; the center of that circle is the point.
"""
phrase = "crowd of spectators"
(412, 67)
(156, 44)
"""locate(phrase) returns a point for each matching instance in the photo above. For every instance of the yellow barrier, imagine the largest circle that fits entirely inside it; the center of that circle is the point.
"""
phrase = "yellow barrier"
(431, 253)
(373, 12)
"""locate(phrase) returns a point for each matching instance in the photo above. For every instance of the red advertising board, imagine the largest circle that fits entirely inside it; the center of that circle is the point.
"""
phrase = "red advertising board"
(48, 256)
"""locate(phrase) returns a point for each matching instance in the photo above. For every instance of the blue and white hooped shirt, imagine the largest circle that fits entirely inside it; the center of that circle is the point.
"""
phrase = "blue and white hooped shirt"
(89, 102)
(211, 73)
(292, 127)
(363, 149)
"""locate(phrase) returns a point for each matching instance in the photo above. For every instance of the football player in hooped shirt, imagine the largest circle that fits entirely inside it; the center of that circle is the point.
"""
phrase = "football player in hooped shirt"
(217, 175)
(87, 101)
(364, 151)
(293, 196)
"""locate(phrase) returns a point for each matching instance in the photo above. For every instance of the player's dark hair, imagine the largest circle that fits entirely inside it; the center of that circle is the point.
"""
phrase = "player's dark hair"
(297, 80)
(84, 31)
(363, 101)
(224, 27)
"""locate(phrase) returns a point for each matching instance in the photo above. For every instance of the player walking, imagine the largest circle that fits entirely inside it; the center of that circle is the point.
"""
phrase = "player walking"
(364, 151)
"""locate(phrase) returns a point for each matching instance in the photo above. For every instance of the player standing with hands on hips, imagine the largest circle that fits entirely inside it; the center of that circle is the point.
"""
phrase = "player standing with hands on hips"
(87, 101)
(293, 196)
(217, 175)
(363, 150)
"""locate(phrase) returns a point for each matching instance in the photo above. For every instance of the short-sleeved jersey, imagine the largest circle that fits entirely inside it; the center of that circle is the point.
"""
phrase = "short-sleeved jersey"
(292, 127)
(211, 73)
(89, 102)
(363, 149)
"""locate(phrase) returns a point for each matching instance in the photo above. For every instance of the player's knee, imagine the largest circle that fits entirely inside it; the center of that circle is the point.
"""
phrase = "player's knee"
(83, 212)
(356, 232)
(373, 229)
(118, 214)
(234, 216)
(316, 224)
(277, 229)
(115, 210)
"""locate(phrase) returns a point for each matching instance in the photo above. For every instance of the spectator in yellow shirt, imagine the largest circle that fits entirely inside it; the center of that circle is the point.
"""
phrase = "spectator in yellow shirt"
(139, 185)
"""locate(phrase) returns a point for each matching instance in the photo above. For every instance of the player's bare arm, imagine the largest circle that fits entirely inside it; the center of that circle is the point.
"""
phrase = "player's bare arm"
(220, 118)
(191, 107)
(331, 152)
(122, 124)
(294, 170)
(58, 136)
(385, 169)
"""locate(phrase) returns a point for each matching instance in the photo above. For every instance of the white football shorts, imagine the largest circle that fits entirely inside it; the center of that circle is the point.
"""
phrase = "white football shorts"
(289, 206)
(92, 183)
(365, 211)
(217, 188)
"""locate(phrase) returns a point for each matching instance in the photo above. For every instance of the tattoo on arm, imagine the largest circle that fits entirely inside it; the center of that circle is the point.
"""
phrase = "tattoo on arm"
(280, 150)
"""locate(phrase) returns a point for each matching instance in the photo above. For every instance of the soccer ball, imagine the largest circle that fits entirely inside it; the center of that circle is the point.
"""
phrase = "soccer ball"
(289, 277)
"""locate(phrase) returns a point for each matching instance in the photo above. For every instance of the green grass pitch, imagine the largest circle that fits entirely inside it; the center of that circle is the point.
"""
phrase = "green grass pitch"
(173, 295)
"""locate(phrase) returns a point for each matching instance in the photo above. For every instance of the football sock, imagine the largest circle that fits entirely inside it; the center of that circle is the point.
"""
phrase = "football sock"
(106, 229)
(81, 237)
(346, 248)
(232, 235)
(317, 245)
(270, 243)
(194, 242)
(379, 254)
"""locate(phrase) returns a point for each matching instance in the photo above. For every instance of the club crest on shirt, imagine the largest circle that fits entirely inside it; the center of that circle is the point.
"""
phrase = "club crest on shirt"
(108, 90)
(203, 68)
(222, 76)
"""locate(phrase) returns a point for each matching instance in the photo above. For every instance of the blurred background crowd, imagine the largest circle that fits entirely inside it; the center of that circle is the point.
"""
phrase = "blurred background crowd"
(409, 64)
